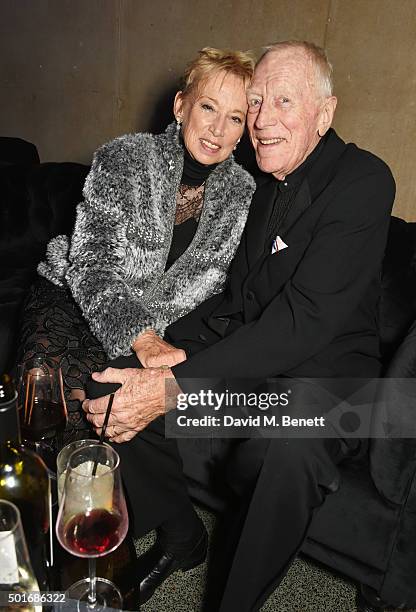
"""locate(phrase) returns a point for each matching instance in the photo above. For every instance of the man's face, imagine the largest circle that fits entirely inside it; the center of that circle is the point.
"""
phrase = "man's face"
(284, 111)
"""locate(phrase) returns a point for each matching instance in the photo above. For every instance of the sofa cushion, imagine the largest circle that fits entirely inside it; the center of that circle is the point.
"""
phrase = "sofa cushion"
(393, 457)
(38, 202)
(355, 516)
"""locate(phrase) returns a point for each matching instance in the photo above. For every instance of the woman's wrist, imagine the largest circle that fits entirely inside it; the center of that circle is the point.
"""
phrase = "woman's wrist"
(146, 335)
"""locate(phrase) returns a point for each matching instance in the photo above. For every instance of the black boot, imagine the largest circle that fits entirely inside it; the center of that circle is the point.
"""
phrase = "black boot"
(181, 544)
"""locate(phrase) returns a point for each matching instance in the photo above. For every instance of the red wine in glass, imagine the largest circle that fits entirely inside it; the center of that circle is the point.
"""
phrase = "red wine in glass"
(96, 533)
(92, 518)
(48, 420)
(45, 431)
(42, 410)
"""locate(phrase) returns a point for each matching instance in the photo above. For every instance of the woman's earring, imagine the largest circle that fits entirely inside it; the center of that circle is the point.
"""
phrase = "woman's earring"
(178, 124)
(319, 134)
(236, 144)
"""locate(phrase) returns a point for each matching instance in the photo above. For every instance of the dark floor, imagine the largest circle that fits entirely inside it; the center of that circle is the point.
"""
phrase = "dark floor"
(306, 588)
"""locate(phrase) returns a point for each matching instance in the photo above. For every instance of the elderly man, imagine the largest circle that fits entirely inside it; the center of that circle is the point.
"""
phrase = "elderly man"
(301, 302)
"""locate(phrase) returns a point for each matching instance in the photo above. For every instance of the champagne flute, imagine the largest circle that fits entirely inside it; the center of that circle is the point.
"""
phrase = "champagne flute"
(43, 414)
(92, 519)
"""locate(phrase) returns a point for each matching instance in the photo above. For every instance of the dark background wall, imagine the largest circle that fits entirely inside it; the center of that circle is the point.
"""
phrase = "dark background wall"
(75, 73)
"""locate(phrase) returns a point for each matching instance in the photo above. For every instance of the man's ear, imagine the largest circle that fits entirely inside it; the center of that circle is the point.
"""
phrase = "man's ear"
(327, 115)
(178, 106)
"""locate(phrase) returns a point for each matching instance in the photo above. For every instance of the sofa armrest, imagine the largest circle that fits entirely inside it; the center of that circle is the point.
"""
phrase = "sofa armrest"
(393, 457)
(17, 151)
(397, 308)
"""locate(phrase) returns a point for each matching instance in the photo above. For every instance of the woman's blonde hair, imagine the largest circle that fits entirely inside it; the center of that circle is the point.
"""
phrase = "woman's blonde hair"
(210, 61)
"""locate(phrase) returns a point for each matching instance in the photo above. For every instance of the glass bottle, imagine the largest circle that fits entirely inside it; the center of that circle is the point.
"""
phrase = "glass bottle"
(24, 479)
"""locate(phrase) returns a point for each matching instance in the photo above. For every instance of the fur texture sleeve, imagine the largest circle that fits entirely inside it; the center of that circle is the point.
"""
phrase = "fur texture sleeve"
(115, 314)
(97, 272)
(56, 263)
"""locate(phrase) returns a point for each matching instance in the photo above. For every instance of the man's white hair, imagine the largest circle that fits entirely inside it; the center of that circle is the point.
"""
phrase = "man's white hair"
(319, 58)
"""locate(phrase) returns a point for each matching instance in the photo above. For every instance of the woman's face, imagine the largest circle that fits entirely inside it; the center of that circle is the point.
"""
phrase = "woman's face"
(213, 117)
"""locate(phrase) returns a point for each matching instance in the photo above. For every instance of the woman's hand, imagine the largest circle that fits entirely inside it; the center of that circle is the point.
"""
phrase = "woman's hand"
(153, 352)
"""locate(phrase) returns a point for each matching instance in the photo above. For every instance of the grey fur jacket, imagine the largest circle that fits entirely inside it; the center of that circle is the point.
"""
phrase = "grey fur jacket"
(114, 263)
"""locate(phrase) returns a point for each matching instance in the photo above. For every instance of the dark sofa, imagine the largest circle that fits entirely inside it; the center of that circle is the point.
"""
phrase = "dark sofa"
(367, 529)
(37, 202)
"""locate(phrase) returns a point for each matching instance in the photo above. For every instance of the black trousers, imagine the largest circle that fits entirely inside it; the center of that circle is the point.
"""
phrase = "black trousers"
(277, 485)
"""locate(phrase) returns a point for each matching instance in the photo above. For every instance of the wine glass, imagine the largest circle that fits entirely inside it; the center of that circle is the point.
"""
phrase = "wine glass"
(43, 414)
(92, 519)
(16, 573)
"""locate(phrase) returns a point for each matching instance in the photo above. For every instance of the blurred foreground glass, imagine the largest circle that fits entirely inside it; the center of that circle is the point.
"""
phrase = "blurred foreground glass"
(16, 573)
(92, 519)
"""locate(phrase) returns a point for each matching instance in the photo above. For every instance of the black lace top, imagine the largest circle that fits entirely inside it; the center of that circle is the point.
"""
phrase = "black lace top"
(189, 202)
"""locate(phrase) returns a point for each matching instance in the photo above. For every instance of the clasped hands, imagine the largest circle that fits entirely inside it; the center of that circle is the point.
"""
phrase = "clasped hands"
(143, 395)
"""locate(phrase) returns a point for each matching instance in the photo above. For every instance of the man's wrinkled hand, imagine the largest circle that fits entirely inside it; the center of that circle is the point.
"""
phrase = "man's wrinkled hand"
(153, 352)
(141, 399)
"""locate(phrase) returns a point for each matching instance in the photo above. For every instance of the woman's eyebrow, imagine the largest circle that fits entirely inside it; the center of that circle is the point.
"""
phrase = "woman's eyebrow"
(236, 110)
(209, 98)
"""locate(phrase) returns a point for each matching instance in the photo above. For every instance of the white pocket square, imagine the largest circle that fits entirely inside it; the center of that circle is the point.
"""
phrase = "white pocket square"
(278, 245)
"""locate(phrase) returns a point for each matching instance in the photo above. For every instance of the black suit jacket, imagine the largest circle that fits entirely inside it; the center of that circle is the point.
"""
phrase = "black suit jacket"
(309, 310)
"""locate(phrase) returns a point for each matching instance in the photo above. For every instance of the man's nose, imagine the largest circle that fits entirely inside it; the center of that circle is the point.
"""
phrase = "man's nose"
(266, 117)
(217, 127)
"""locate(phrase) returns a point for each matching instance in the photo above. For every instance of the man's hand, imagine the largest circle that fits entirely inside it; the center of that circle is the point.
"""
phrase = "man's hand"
(153, 352)
(140, 400)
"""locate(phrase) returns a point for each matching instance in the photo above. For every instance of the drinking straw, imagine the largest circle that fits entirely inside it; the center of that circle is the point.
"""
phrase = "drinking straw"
(104, 427)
